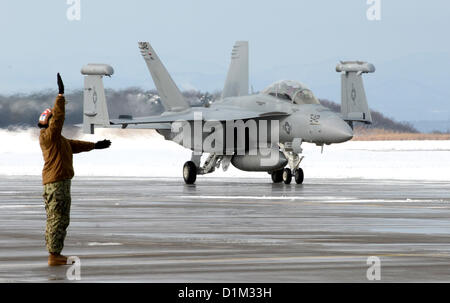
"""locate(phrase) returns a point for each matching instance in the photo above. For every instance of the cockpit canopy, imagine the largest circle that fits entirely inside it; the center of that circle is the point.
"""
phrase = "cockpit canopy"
(291, 91)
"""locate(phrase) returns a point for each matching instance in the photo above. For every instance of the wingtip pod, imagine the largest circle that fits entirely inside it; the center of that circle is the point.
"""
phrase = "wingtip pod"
(97, 69)
(355, 66)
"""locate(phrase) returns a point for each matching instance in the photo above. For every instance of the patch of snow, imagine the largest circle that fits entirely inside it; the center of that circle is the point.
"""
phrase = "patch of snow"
(144, 153)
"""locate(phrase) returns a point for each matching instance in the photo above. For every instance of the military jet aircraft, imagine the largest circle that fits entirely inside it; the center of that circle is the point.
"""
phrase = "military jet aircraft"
(254, 132)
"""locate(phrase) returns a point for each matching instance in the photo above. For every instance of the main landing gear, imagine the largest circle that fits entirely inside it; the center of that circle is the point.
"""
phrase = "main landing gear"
(193, 168)
(189, 172)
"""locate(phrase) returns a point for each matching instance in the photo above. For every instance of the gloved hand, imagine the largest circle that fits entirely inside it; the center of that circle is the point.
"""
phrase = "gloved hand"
(60, 85)
(102, 144)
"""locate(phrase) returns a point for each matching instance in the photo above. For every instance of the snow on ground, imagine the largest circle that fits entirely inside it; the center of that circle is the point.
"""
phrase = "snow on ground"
(144, 153)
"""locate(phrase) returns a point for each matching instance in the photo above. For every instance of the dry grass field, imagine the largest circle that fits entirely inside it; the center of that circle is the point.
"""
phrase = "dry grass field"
(362, 134)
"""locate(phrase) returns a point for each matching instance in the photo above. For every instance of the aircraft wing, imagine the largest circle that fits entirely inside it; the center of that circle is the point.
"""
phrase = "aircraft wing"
(121, 124)
(207, 114)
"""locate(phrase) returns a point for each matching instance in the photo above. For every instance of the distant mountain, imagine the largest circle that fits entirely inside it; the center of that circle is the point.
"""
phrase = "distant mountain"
(379, 120)
(24, 110)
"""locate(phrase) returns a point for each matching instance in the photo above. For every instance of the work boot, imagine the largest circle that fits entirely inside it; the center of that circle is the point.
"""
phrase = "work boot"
(55, 259)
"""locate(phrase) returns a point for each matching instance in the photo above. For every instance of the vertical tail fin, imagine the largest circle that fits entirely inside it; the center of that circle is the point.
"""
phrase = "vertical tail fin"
(95, 109)
(170, 95)
(237, 77)
(354, 105)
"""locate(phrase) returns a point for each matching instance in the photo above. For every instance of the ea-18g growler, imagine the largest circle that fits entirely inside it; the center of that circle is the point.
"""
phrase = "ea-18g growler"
(253, 132)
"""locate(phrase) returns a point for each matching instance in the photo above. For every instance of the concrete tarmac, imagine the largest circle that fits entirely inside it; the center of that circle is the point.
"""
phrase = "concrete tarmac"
(231, 230)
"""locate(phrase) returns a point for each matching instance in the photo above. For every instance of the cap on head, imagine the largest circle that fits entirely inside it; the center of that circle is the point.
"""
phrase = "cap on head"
(45, 116)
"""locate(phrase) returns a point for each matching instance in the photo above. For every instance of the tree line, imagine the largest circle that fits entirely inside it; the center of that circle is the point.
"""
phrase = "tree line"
(23, 110)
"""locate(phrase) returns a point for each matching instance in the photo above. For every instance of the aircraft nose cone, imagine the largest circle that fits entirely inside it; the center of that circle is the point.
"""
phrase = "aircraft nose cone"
(336, 130)
(343, 132)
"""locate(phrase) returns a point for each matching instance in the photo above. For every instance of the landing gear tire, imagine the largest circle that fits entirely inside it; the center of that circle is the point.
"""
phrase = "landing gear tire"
(189, 172)
(287, 176)
(299, 176)
(277, 176)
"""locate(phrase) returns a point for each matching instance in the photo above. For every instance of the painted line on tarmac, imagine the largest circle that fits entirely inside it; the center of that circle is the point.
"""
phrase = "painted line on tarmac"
(266, 259)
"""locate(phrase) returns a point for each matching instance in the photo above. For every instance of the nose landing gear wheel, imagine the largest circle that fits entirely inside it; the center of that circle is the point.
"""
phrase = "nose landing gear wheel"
(189, 172)
(277, 176)
(287, 176)
(299, 176)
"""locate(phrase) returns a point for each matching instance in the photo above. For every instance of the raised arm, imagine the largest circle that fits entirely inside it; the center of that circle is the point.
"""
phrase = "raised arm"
(58, 115)
(59, 111)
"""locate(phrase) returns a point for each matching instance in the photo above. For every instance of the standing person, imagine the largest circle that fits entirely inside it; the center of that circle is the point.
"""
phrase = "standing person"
(57, 174)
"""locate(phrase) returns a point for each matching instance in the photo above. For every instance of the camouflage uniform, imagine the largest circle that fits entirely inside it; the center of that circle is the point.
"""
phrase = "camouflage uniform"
(57, 205)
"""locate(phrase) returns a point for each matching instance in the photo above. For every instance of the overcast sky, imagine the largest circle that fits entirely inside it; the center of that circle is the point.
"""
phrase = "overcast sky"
(191, 37)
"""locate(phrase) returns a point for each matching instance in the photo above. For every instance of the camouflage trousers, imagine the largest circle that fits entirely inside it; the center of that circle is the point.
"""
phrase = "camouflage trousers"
(57, 205)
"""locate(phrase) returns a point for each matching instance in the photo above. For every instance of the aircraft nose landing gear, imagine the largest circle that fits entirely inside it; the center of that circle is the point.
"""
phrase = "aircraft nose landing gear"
(291, 151)
(285, 175)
